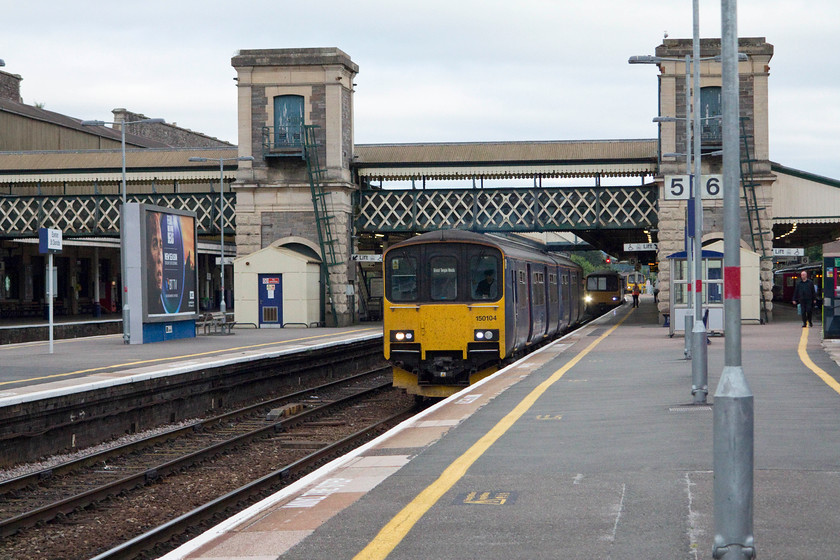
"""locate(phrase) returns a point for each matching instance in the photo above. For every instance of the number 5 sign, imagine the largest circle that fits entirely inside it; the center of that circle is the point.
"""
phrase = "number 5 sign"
(678, 187)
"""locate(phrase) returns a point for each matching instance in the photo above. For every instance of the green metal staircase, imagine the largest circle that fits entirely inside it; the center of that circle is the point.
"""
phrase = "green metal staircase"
(753, 210)
(323, 214)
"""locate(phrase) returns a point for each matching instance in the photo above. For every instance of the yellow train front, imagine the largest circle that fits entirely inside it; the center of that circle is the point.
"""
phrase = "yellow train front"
(604, 290)
(632, 279)
(458, 303)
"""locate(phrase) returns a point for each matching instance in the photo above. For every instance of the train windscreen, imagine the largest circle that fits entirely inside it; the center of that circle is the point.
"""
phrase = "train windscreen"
(484, 284)
(402, 273)
(443, 276)
(443, 273)
(602, 283)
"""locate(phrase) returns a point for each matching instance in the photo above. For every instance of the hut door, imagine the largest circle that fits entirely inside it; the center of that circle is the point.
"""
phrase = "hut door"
(270, 300)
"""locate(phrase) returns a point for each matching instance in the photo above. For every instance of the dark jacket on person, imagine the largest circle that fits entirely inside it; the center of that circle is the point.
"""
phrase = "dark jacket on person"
(805, 294)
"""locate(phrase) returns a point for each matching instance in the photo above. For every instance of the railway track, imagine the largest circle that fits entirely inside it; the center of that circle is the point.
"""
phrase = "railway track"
(65, 494)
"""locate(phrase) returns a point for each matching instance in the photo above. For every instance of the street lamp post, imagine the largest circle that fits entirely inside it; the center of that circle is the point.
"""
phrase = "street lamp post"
(699, 367)
(695, 343)
(125, 307)
(222, 305)
(734, 410)
(646, 59)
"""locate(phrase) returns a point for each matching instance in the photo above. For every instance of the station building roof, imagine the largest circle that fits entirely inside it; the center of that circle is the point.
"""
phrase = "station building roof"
(148, 164)
(458, 160)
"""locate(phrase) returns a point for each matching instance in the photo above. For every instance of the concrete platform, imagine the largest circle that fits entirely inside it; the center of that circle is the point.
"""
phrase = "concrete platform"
(28, 371)
(585, 450)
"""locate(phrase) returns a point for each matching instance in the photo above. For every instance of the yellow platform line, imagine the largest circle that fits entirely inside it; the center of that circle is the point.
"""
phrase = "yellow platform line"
(398, 527)
(821, 373)
(103, 369)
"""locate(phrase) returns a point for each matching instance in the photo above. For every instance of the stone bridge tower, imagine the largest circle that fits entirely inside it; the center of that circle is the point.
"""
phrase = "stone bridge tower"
(281, 91)
(754, 75)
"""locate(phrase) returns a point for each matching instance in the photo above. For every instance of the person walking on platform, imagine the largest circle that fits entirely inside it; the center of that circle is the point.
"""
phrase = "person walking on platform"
(804, 297)
(636, 292)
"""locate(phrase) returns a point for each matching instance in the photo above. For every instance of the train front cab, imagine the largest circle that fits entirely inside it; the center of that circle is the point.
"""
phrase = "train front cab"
(444, 315)
(604, 290)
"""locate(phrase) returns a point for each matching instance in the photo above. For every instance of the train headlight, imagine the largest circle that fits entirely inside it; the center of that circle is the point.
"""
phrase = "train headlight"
(402, 336)
(486, 334)
(587, 298)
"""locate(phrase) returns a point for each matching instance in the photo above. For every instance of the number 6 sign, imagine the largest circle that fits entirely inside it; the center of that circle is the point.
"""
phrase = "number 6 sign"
(678, 187)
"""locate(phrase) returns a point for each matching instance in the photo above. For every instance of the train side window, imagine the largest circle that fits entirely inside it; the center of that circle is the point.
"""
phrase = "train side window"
(538, 279)
(483, 277)
(403, 278)
(444, 278)
(552, 288)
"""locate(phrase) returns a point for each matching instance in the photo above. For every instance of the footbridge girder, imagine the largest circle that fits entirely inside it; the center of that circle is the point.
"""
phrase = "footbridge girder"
(626, 210)
(99, 215)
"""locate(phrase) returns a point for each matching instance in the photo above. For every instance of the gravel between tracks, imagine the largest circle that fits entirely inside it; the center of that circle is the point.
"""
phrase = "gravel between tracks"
(94, 530)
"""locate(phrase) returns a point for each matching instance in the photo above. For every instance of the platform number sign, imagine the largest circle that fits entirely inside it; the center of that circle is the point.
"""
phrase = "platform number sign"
(678, 187)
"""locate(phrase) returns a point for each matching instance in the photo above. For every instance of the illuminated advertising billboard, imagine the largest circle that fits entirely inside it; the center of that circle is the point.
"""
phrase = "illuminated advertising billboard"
(169, 264)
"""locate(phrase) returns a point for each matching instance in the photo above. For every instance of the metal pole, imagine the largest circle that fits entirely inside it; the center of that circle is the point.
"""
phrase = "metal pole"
(689, 318)
(222, 306)
(699, 369)
(50, 293)
(733, 410)
(97, 296)
(125, 309)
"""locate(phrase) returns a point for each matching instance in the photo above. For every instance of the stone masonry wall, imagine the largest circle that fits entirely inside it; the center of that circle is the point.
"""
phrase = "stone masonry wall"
(168, 133)
(10, 87)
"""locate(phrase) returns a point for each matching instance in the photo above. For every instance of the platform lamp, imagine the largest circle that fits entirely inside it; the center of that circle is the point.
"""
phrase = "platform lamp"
(222, 305)
(695, 344)
(647, 59)
(125, 309)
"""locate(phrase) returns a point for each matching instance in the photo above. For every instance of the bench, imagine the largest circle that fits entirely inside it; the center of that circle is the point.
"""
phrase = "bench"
(217, 322)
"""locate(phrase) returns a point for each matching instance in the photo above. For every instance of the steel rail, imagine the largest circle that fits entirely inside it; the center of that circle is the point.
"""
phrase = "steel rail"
(34, 478)
(11, 525)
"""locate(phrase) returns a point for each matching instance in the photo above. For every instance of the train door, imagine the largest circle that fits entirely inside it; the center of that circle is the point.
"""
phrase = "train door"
(538, 303)
(566, 297)
(270, 300)
(575, 295)
(522, 305)
(555, 317)
(511, 305)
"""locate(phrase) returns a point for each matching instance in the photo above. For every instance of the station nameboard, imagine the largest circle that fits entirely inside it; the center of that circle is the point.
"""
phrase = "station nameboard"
(49, 240)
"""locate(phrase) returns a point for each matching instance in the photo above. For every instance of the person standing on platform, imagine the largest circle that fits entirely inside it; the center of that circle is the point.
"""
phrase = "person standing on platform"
(805, 296)
(636, 293)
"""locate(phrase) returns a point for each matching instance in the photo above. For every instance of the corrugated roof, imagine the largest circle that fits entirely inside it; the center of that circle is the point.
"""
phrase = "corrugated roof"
(106, 165)
(497, 152)
(76, 124)
(499, 159)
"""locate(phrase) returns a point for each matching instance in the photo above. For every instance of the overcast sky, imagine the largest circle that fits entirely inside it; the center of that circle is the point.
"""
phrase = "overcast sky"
(429, 71)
